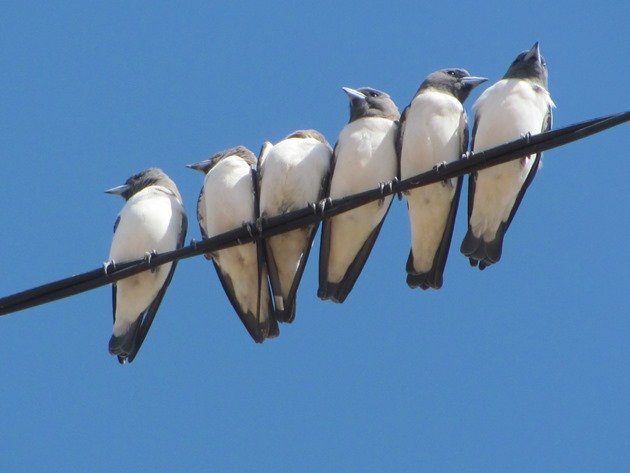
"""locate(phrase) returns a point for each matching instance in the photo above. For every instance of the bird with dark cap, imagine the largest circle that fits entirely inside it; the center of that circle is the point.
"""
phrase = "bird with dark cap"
(229, 200)
(433, 131)
(293, 174)
(516, 106)
(152, 220)
(363, 158)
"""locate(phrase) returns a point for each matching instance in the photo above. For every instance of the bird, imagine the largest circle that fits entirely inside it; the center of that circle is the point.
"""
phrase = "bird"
(152, 220)
(433, 131)
(293, 174)
(516, 106)
(364, 157)
(228, 200)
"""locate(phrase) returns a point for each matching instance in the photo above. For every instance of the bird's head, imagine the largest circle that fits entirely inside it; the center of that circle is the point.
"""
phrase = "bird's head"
(529, 65)
(457, 82)
(369, 102)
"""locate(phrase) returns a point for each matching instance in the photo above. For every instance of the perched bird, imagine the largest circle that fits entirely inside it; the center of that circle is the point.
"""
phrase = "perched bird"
(227, 201)
(292, 174)
(152, 220)
(433, 131)
(517, 105)
(364, 157)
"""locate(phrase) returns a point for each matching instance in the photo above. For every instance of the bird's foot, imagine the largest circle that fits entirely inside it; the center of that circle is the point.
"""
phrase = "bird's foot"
(318, 208)
(148, 256)
(251, 231)
(258, 224)
(526, 136)
(107, 265)
(439, 168)
(390, 186)
(386, 188)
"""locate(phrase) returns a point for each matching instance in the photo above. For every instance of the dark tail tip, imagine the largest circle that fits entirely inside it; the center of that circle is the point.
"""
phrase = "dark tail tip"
(482, 253)
(470, 244)
(423, 281)
(332, 292)
(122, 347)
(274, 330)
(285, 316)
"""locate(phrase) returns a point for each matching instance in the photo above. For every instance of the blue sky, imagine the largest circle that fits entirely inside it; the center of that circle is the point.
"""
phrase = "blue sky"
(522, 367)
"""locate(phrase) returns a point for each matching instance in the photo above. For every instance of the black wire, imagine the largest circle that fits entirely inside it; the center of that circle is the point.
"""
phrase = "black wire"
(470, 162)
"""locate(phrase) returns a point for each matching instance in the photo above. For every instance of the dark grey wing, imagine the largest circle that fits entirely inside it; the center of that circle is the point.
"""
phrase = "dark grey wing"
(337, 292)
(471, 246)
(434, 277)
(281, 315)
(249, 319)
(116, 223)
(496, 246)
(324, 246)
(311, 231)
(400, 135)
(141, 327)
(201, 218)
(287, 314)
(486, 253)
(269, 327)
(546, 126)
(200, 214)
(472, 176)
(257, 330)
(114, 285)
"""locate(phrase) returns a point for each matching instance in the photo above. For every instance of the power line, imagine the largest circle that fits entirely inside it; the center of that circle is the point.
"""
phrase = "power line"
(470, 162)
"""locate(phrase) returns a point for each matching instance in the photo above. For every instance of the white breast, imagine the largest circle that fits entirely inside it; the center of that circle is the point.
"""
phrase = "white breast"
(506, 111)
(150, 220)
(228, 200)
(292, 172)
(366, 156)
(433, 134)
(433, 130)
(292, 175)
(228, 196)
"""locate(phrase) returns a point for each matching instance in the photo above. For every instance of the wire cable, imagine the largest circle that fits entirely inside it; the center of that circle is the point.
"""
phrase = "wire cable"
(470, 162)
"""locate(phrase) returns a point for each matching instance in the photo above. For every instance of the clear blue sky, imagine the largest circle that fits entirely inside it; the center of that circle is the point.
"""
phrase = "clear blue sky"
(522, 367)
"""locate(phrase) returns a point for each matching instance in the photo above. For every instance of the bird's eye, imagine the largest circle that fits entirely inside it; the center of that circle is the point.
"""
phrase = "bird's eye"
(373, 94)
(451, 73)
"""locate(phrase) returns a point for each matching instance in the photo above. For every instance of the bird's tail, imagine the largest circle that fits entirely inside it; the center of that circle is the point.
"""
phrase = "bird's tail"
(423, 280)
(286, 315)
(126, 346)
(336, 292)
(480, 252)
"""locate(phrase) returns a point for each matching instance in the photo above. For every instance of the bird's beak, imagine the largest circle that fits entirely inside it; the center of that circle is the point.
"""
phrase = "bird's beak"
(119, 190)
(354, 94)
(473, 81)
(201, 166)
(533, 53)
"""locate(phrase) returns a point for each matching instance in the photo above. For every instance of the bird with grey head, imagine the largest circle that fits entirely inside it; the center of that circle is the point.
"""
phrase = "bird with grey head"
(433, 131)
(517, 105)
(228, 200)
(293, 173)
(363, 158)
(153, 220)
